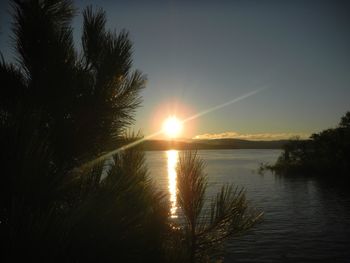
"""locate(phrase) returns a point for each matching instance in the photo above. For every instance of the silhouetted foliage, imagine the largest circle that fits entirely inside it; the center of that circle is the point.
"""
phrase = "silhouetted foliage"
(206, 228)
(325, 153)
(58, 110)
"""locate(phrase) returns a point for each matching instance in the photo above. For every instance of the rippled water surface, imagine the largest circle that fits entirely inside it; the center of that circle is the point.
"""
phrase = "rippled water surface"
(305, 220)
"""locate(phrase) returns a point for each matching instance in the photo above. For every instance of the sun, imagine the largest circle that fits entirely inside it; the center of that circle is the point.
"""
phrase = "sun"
(172, 127)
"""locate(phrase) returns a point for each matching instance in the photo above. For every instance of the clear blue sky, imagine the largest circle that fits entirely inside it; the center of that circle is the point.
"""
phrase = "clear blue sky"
(205, 53)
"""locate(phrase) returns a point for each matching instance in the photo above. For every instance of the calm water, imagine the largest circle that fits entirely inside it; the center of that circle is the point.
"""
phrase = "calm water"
(304, 220)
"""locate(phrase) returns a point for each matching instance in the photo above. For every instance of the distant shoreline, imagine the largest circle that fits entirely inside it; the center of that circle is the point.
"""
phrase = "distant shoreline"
(214, 144)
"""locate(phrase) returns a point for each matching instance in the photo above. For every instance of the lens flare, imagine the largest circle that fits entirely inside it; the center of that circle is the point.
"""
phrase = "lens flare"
(195, 116)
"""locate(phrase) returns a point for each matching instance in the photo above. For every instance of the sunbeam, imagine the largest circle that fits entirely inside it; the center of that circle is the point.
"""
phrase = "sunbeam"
(195, 116)
(220, 106)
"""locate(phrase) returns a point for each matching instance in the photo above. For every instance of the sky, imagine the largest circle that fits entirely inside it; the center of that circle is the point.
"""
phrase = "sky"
(198, 55)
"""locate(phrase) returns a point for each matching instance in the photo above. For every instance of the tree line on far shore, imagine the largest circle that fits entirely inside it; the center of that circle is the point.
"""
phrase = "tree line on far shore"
(324, 154)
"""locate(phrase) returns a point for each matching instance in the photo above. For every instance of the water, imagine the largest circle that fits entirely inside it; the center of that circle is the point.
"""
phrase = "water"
(305, 220)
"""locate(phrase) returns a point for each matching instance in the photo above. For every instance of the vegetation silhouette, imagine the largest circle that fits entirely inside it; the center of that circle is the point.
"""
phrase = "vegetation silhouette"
(206, 228)
(323, 154)
(60, 108)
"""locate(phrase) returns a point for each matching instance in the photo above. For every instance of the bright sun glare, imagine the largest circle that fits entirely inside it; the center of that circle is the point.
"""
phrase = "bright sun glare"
(172, 127)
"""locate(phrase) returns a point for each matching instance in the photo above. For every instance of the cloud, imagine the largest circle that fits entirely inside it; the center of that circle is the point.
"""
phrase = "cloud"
(251, 136)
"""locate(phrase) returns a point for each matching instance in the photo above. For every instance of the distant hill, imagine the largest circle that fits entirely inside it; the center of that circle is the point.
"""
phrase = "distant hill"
(154, 145)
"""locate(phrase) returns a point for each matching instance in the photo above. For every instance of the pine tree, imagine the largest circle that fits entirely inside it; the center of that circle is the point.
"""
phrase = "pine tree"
(60, 109)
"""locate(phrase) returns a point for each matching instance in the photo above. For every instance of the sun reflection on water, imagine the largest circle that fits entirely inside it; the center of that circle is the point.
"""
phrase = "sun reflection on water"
(172, 156)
